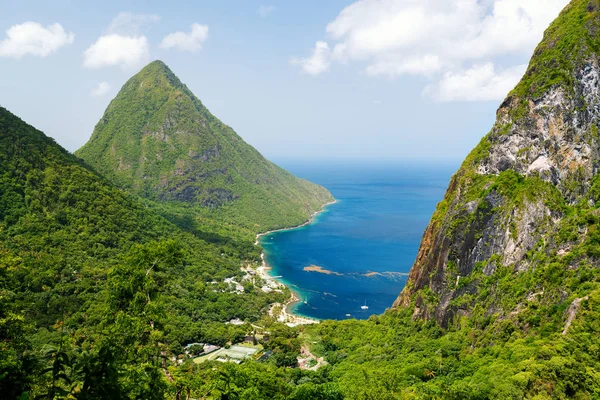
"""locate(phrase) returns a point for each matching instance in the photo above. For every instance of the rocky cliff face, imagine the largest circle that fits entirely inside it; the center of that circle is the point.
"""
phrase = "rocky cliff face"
(530, 180)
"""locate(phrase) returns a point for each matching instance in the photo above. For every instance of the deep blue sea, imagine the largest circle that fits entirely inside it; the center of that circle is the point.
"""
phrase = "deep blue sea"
(368, 240)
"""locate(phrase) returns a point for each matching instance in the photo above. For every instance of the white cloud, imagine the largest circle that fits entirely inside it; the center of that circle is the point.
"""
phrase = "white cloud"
(123, 43)
(113, 49)
(32, 38)
(129, 24)
(454, 30)
(318, 62)
(438, 38)
(479, 83)
(426, 65)
(100, 89)
(264, 11)
(182, 41)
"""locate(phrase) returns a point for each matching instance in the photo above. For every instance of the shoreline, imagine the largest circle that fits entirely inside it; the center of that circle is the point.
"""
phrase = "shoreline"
(291, 228)
(287, 316)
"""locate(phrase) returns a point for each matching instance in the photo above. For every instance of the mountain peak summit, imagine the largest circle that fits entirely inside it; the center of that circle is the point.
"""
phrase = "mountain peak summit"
(157, 64)
(158, 69)
(570, 40)
(156, 139)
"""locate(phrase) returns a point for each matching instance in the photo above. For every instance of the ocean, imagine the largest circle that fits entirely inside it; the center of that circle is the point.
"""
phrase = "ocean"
(353, 260)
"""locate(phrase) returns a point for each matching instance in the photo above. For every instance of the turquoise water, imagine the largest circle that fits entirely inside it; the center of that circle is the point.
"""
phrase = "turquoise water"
(368, 240)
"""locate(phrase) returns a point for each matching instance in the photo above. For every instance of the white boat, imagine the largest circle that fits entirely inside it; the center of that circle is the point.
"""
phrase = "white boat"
(365, 307)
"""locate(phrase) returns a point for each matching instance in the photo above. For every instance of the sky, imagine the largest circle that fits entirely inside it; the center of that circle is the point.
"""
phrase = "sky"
(384, 80)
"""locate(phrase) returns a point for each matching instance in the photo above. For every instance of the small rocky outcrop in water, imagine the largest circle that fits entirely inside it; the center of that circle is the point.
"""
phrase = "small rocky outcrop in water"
(527, 195)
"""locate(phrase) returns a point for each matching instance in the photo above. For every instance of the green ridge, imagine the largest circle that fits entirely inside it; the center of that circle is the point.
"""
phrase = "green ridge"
(156, 139)
(92, 281)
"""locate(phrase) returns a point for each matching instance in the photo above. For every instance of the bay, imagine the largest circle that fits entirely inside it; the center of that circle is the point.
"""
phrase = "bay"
(358, 252)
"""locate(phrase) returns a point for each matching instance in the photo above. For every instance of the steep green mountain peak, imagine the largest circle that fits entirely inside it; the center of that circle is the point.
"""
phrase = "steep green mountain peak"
(159, 70)
(518, 226)
(156, 139)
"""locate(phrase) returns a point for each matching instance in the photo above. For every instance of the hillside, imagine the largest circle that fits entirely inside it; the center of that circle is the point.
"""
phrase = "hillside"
(156, 139)
(91, 279)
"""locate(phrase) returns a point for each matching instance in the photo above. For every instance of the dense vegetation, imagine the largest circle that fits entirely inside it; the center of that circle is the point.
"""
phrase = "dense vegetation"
(156, 139)
(531, 334)
(539, 342)
(91, 279)
(569, 41)
(100, 291)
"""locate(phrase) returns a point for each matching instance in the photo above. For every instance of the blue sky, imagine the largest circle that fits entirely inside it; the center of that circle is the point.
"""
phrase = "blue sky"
(387, 80)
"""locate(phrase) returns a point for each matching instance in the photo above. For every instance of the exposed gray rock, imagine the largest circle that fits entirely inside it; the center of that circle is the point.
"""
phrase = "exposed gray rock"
(557, 140)
(553, 137)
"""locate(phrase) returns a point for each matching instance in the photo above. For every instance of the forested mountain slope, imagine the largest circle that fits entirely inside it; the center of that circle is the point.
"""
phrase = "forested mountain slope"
(94, 286)
(158, 140)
